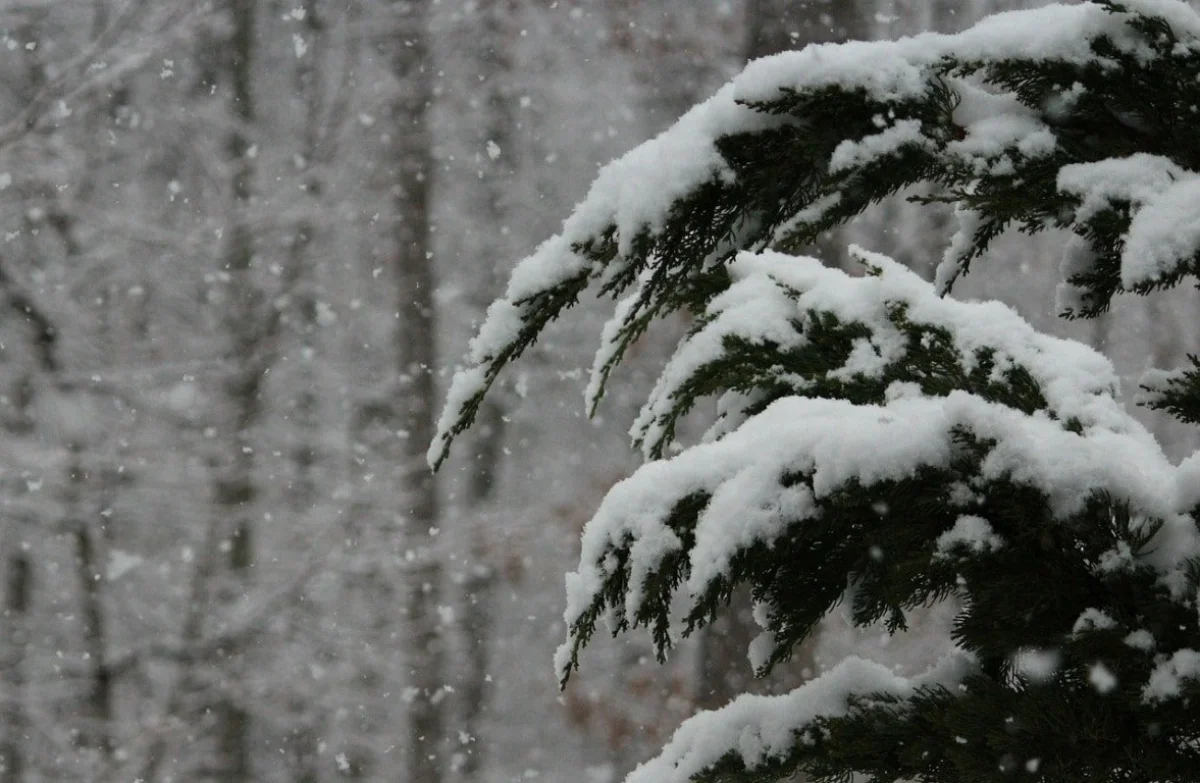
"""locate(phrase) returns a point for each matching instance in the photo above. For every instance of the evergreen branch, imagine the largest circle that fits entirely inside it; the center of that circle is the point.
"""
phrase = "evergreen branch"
(1177, 392)
(880, 444)
(781, 329)
(795, 147)
(769, 737)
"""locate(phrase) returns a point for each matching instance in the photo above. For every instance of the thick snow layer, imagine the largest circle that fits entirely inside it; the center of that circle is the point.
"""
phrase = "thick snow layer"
(1163, 234)
(1165, 680)
(759, 729)
(970, 531)
(992, 125)
(1078, 258)
(1187, 485)
(835, 442)
(758, 308)
(1137, 179)
(1179, 15)
(1165, 230)
(889, 70)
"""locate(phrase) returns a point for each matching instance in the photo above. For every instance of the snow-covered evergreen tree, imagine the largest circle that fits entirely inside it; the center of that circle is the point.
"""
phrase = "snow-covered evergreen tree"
(878, 442)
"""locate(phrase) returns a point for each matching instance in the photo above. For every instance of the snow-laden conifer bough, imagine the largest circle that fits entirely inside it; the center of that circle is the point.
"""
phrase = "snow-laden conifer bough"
(879, 442)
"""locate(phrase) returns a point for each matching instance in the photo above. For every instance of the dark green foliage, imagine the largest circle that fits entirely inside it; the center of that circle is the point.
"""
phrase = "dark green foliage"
(1093, 567)
(1177, 393)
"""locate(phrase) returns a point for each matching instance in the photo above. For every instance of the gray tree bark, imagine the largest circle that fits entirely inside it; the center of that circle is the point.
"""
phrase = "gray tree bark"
(310, 86)
(98, 715)
(416, 345)
(18, 595)
(496, 38)
(303, 278)
(234, 491)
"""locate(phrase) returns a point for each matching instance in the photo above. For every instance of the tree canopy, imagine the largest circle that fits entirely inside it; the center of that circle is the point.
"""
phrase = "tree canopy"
(878, 442)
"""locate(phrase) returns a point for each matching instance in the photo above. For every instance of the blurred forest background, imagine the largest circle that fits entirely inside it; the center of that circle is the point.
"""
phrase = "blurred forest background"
(244, 242)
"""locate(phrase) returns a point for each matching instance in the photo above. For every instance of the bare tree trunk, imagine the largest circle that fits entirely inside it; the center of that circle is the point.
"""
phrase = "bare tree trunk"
(235, 491)
(306, 405)
(18, 575)
(191, 632)
(18, 594)
(496, 39)
(416, 344)
(310, 86)
(369, 583)
(226, 554)
(99, 720)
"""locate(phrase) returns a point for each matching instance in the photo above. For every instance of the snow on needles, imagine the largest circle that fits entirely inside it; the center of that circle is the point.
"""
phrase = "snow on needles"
(853, 154)
(634, 195)
(1137, 179)
(772, 293)
(1163, 235)
(836, 443)
(1014, 406)
(760, 729)
(899, 68)
(1165, 230)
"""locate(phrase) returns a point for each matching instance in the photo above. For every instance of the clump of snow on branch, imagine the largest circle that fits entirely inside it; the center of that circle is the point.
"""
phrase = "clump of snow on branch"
(972, 532)
(836, 442)
(1166, 679)
(759, 729)
(1164, 232)
(772, 293)
(993, 125)
(852, 154)
(1137, 180)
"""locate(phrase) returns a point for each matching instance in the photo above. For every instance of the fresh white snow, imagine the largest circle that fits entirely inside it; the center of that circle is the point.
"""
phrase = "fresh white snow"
(762, 728)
